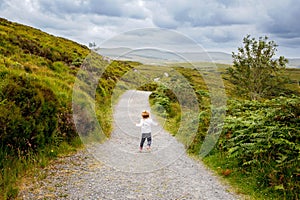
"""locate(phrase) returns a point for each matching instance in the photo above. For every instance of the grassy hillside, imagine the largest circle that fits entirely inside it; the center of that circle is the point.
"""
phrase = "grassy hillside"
(37, 75)
(258, 149)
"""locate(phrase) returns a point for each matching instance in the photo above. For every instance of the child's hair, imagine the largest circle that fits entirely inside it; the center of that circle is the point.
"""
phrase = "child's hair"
(145, 114)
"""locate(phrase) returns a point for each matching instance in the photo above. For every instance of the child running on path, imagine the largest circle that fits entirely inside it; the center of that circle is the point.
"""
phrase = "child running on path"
(145, 125)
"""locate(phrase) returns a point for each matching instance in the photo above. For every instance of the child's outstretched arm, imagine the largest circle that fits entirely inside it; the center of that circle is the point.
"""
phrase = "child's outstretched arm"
(139, 124)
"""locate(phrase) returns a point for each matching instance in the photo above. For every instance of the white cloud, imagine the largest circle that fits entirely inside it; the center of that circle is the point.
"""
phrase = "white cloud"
(214, 24)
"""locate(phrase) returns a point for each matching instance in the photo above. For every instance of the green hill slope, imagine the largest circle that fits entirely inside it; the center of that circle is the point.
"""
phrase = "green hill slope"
(37, 74)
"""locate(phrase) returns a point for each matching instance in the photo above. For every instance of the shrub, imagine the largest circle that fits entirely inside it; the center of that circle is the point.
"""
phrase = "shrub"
(34, 116)
(265, 137)
(162, 98)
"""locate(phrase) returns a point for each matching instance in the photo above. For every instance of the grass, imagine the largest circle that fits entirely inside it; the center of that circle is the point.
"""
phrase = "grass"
(243, 184)
(17, 169)
(27, 165)
(48, 65)
(53, 63)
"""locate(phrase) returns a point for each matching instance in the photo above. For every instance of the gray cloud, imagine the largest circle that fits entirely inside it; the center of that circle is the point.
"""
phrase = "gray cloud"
(106, 7)
(205, 13)
(2, 4)
(116, 8)
(56, 7)
(215, 24)
(284, 19)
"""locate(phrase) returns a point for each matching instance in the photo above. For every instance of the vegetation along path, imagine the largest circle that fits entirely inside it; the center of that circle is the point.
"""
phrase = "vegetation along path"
(117, 170)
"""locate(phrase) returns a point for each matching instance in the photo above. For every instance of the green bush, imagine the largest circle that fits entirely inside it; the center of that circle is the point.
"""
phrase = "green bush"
(148, 87)
(28, 114)
(162, 98)
(265, 137)
(66, 129)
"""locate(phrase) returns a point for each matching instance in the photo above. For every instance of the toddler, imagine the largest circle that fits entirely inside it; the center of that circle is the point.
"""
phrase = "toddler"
(145, 125)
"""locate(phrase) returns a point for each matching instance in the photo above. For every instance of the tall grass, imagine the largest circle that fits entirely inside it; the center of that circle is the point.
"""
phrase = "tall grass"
(37, 75)
(15, 167)
(258, 151)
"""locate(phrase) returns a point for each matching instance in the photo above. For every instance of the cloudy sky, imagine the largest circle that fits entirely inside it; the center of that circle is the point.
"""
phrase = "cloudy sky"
(216, 25)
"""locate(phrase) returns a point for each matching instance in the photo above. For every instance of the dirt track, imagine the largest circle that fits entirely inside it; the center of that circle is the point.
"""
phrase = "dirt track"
(116, 170)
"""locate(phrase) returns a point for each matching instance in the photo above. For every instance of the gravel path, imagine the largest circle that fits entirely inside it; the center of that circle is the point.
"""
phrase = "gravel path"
(116, 170)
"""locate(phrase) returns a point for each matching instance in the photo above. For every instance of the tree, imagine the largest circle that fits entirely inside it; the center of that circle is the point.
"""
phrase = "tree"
(92, 45)
(255, 73)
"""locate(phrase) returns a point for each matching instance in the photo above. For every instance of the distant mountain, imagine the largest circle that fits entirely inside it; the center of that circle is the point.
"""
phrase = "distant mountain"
(294, 62)
(157, 56)
(151, 56)
(218, 57)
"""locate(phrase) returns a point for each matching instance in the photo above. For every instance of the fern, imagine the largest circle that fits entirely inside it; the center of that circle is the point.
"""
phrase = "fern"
(266, 136)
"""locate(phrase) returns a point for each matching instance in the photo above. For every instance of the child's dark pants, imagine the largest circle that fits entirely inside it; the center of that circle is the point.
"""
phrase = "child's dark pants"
(144, 136)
